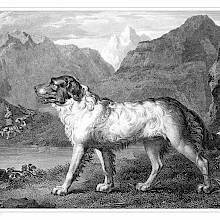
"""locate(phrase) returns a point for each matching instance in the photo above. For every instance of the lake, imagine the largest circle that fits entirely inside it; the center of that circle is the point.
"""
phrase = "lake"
(42, 157)
(46, 157)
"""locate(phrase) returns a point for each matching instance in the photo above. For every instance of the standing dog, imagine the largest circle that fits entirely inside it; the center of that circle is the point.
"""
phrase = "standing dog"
(92, 122)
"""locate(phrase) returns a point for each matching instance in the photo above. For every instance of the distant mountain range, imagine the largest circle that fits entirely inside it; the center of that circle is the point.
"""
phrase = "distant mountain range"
(27, 60)
(176, 65)
(118, 45)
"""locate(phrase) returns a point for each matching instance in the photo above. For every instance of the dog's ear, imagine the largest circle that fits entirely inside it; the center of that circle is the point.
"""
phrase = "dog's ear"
(73, 88)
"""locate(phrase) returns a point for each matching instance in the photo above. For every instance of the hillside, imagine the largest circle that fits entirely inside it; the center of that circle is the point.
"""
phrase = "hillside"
(43, 129)
(29, 60)
(16, 111)
(175, 65)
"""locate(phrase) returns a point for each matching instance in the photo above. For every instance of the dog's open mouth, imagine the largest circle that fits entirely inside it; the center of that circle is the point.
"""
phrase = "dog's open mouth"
(47, 99)
(50, 100)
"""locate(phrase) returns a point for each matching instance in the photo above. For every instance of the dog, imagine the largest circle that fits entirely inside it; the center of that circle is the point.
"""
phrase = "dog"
(104, 125)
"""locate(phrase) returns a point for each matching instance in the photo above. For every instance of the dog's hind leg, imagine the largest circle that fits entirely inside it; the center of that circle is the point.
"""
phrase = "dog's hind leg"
(107, 159)
(153, 151)
(189, 152)
(185, 147)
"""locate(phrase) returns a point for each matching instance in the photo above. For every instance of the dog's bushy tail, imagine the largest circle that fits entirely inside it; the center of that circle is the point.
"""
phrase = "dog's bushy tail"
(195, 129)
(201, 137)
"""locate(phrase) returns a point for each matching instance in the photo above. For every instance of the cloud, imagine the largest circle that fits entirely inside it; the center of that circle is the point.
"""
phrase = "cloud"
(93, 43)
(6, 19)
(94, 22)
(152, 34)
(58, 24)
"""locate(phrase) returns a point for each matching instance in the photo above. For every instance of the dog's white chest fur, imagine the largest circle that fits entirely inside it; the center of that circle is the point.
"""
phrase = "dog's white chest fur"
(78, 120)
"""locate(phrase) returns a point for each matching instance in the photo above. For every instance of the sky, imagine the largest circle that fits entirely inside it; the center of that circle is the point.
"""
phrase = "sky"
(94, 28)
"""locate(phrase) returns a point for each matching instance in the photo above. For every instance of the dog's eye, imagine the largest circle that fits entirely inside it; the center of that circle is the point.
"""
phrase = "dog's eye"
(54, 87)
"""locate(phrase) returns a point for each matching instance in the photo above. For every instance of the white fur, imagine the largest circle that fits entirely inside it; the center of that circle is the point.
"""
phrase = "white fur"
(86, 120)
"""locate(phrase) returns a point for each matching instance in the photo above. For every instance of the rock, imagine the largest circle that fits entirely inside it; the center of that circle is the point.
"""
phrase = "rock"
(24, 203)
(3, 174)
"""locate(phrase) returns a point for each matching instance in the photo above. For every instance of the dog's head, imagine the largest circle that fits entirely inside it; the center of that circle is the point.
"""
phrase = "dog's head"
(59, 90)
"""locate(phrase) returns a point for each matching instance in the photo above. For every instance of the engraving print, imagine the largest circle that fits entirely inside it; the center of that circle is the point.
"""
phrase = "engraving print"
(109, 109)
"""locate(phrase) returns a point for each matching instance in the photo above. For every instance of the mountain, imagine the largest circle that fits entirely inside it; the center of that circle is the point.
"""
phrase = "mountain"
(176, 65)
(118, 46)
(27, 60)
(213, 115)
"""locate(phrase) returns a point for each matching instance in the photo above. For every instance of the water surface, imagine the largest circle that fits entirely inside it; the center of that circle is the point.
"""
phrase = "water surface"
(48, 157)
(42, 157)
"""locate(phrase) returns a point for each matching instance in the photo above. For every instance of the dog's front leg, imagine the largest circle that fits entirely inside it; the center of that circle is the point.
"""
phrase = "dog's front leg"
(78, 151)
(7, 135)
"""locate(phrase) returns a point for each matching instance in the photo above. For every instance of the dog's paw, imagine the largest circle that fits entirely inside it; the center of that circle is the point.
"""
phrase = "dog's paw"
(103, 187)
(142, 186)
(202, 188)
(60, 191)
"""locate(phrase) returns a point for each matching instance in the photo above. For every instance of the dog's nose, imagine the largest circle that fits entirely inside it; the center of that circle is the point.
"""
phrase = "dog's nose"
(41, 91)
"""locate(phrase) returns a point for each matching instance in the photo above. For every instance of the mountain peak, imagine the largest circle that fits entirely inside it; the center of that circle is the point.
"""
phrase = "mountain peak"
(118, 45)
(128, 35)
(129, 30)
(175, 64)
(195, 40)
(197, 20)
(21, 37)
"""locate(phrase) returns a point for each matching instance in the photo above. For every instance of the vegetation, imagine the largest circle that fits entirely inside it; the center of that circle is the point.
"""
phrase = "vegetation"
(175, 186)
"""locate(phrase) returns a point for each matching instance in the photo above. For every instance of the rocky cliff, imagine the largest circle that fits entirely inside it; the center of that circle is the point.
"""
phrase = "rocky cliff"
(175, 65)
(28, 60)
(213, 115)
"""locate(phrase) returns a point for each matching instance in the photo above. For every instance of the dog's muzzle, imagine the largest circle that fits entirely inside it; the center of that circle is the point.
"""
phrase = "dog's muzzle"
(46, 95)
(43, 95)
